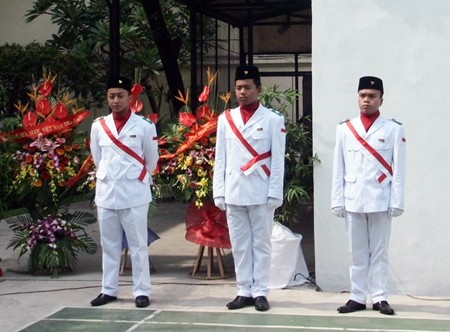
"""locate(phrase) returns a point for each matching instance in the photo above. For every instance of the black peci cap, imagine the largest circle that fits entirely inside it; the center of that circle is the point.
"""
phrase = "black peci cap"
(370, 82)
(247, 72)
(119, 82)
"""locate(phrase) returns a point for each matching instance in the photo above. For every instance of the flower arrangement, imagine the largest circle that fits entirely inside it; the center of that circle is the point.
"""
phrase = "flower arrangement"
(187, 147)
(50, 158)
(54, 241)
(49, 153)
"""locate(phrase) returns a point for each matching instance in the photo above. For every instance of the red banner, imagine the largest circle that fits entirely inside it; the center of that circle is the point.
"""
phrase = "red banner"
(85, 169)
(45, 128)
(207, 129)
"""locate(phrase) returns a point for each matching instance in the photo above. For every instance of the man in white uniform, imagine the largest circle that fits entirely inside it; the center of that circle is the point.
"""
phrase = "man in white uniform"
(248, 185)
(125, 151)
(367, 189)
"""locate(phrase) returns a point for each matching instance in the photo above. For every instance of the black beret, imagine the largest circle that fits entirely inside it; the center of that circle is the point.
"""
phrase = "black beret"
(370, 82)
(119, 82)
(247, 72)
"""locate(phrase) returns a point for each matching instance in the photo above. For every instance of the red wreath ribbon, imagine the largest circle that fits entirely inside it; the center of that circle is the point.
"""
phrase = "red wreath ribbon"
(207, 129)
(45, 128)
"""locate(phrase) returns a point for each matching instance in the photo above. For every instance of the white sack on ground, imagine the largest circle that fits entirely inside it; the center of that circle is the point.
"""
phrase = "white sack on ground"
(288, 266)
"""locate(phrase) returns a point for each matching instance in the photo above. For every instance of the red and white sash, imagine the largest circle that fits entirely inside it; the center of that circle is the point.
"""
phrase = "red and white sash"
(126, 151)
(258, 159)
(372, 154)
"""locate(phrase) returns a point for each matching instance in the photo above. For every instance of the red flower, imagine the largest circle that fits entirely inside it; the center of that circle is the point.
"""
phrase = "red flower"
(46, 176)
(204, 141)
(187, 119)
(204, 112)
(29, 119)
(136, 90)
(205, 94)
(136, 106)
(154, 117)
(46, 88)
(43, 107)
(60, 111)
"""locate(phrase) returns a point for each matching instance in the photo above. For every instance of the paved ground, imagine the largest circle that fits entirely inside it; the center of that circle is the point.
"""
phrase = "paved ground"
(179, 302)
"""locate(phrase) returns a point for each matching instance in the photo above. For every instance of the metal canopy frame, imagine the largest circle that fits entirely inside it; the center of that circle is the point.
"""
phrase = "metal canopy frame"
(245, 13)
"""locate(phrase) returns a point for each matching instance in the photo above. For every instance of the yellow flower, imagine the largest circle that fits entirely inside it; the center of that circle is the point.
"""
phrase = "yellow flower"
(204, 182)
(182, 179)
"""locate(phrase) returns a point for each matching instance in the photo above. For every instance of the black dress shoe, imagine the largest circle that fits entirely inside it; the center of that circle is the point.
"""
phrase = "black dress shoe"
(351, 306)
(240, 302)
(383, 307)
(142, 301)
(102, 299)
(261, 303)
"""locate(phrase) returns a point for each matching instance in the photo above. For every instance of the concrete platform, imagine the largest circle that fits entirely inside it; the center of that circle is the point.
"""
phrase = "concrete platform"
(30, 302)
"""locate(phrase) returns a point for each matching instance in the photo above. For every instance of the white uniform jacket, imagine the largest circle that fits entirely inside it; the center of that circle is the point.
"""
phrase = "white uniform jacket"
(264, 131)
(118, 184)
(356, 181)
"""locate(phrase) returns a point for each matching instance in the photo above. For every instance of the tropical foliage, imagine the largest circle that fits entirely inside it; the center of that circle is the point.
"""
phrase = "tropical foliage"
(154, 36)
(299, 161)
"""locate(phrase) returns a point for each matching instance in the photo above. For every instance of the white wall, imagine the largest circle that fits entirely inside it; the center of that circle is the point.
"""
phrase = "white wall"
(13, 28)
(407, 44)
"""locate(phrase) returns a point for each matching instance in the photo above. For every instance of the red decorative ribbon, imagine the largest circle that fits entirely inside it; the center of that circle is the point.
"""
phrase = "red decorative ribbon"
(85, 168)
(207, 129)
(45, 128)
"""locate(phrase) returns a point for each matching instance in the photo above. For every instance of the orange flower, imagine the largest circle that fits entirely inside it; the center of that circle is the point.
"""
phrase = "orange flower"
(225, 97)
(38, 183)
(61, 183)
(183, 99)
(68, 148)
(211, 78)
(60, 151)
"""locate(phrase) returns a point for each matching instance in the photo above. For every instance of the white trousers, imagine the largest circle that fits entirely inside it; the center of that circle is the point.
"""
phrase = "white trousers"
(133, 222)
(368, 235)
(250, 229)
